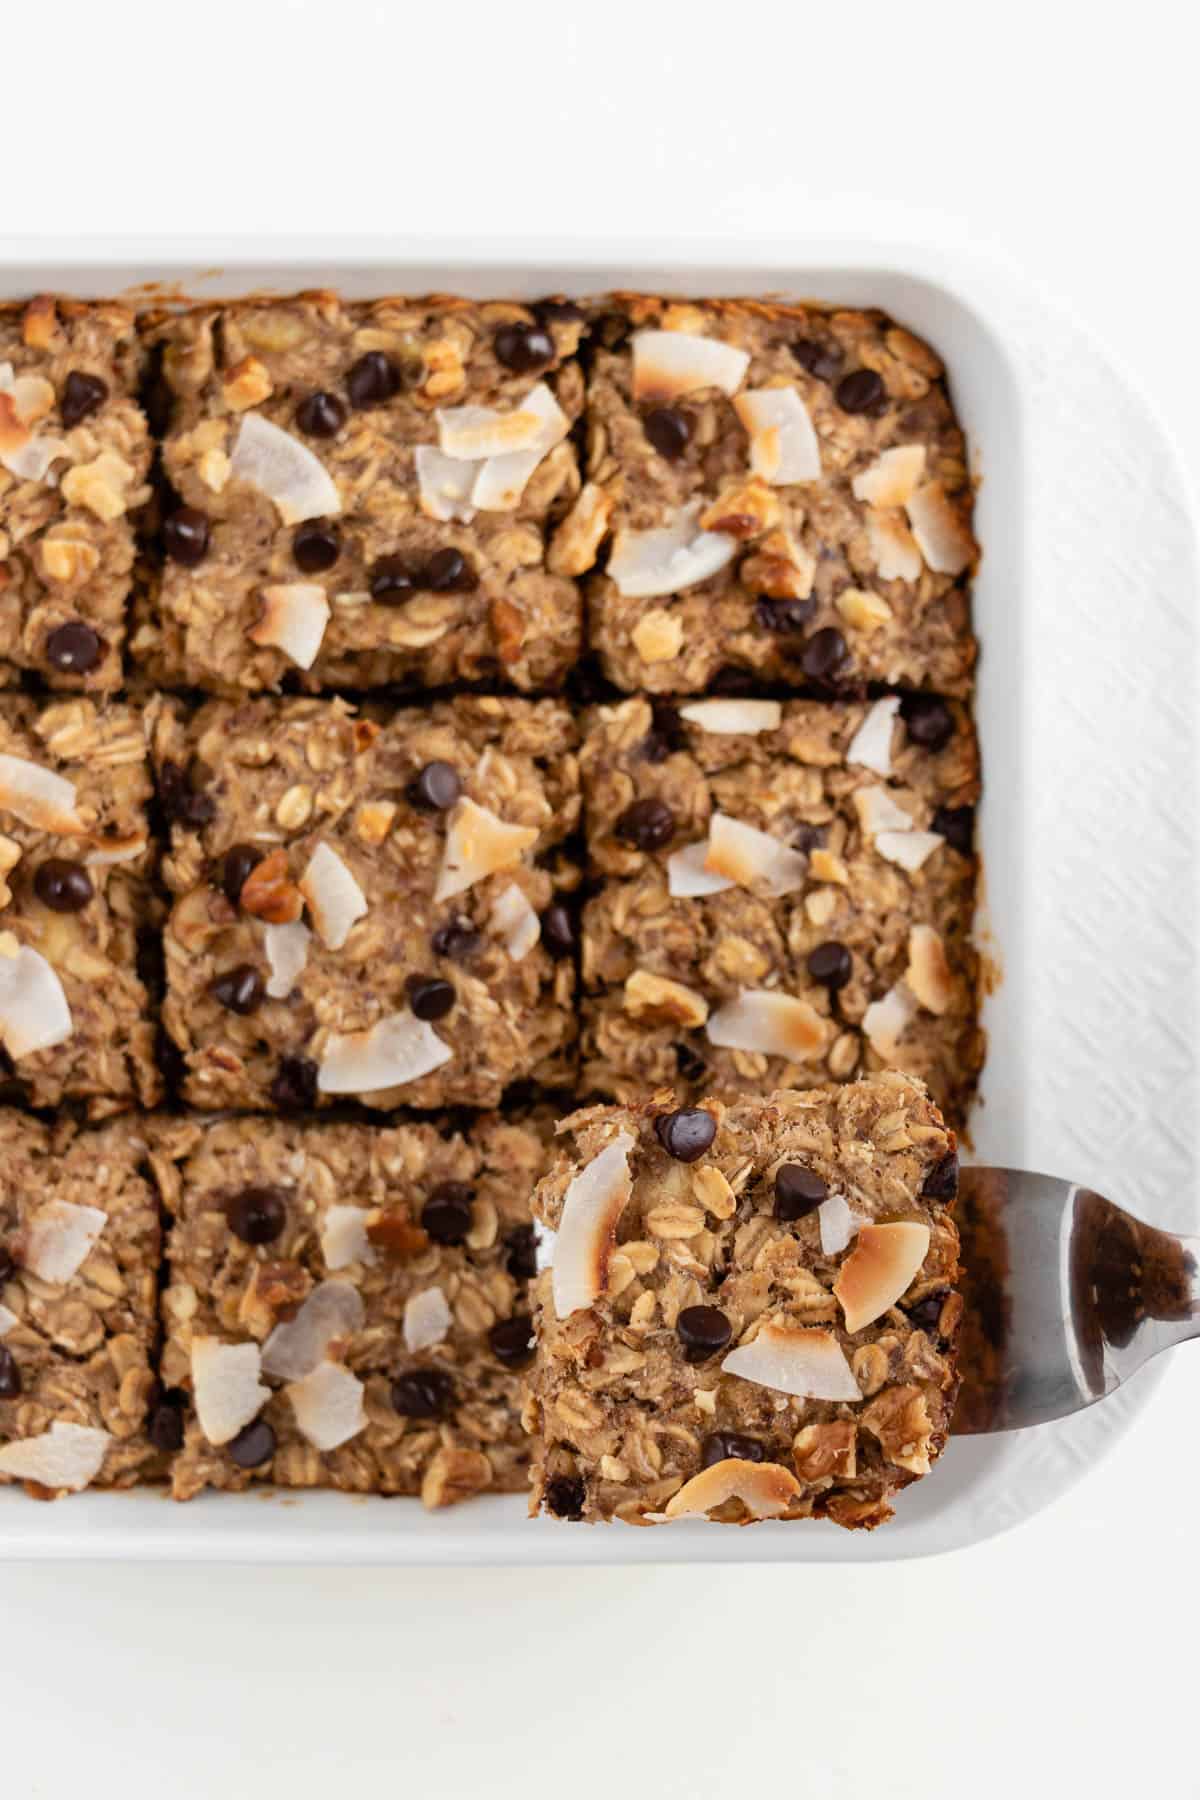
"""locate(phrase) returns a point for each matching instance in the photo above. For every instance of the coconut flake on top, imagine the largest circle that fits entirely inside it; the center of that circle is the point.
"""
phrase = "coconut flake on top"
(502, 479)
(765, 1489)
(444, 484)
(732, 718)
(117, 850)
(893, 547)
(783, 444)
(587, 1229)
(877, 812)
(882, 1265)
(473, 433)
(804, 1360)
(24, 399)
(331, 1312)
(226, 1387)
(293, 619)
(287, 956)
(669, 364)
(270, 459)
(514, 920)
(940, 530)
(478, 843)
(344, 1237)
(836, 1223)
(34, 1014)
(328, 1406)
(60, 1238)
(39, 797)
(67, 1457)
(753, 858)
(928, 974)
(395, 1050)
(892, 477)
(335, 900)
(908, 849)
(668, 558)
(885, 1021)
(871, 745)
(770, 1023)
(493, 452)
(427, 1319)
(688, 874)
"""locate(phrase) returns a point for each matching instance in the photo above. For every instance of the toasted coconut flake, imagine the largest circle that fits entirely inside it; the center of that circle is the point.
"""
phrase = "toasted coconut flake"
(753, 858)
(837, 1224)
(514, 920)
(770, 1023)
(427, 1319)
(502, 479)
(863, 610)
(32, 461)
(478, 844)
(879, 1269)
(226, 1387)
(333, 1311)
(940, 529)
(7, 1321)
(293, 619)
(783, 445)
(732, 718)
(885, 1021)
(892, 477)
(328, 1405)
(764, 1489)
(908, 849)
(795, 1359)
(659, 1001)
(335, 900)
(31, 397)
(668, 558)
(65, 1459)
(893, 547)
(669, 364)
(877, 812)
(928, 973)
(395, 1050)
(117, 850)
(344, 1237)
(475, 433)
(287, 956)
(587, 1230)
(444, 484)
(688, 874)
(60, 1238)
(39, 797)
(23, 400)
(34, 1014)
(285, 470)
(871, 745)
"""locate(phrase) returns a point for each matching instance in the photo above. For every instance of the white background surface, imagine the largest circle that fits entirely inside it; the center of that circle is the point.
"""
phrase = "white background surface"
(1062, 137)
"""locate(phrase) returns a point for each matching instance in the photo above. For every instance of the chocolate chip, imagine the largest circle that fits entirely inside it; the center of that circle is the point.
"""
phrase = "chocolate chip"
(691, 1066)
(238, 990)
(831, 964)
(82, 395)
(557, 311)
(435, 788)
(423, 1394)
(522, 1253)
(74, 648)
(825, 656)
(797, 1191)
(457, 939)
(257, 1214)
(666, 736)
(523, 348)
(822, 360)
(957, 825)
(390, 580)
(565, 1495)
(164, 1421)
(862, 391)
(702, 1330)
(429, 997)
(647, 824)
(783, 615)
(808, 838)
(724, 1444)
(449, 572)
(512, 1341)
(446, 1215)
(926, 1314)
(235, 870)
(185, 536)
(669, 429)
(558, 931)
(686, 1133)
(8, 1266)
(321, 415)
(294, 1086)
(941, 1183)
(183, 798)
(10, 1374)
(372, 380)
(928, 721)
(316, 546)
(65, 887)
(253, 1445)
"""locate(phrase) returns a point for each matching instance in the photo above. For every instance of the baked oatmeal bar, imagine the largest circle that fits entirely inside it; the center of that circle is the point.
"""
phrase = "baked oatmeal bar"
(347, 1305)
(751, 1309)
(74, 459)
(79, 1253)
(366, 494)
(784, 491)
(78, 912)
(787, 895)
(368, 909)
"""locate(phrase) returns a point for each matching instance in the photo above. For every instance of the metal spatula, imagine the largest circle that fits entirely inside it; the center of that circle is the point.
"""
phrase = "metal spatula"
(1066, 1297)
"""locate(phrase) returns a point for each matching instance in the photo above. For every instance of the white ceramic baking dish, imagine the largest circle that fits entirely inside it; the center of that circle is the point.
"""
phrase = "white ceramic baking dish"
(1086, 608)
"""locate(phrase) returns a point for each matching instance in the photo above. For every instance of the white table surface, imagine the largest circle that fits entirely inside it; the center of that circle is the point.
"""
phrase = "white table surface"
(1059, 135)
